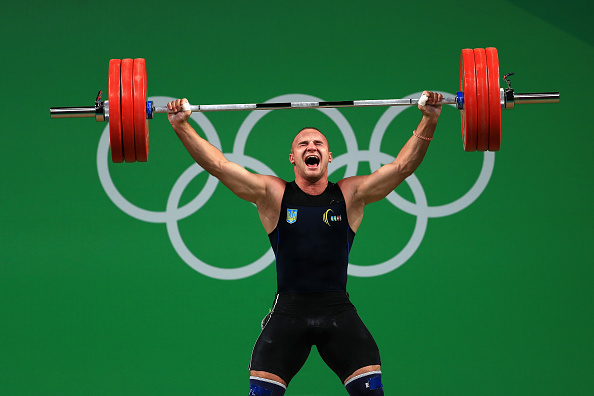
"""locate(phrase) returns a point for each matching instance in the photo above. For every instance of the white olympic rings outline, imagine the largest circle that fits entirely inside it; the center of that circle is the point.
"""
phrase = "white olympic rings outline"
(173, 213)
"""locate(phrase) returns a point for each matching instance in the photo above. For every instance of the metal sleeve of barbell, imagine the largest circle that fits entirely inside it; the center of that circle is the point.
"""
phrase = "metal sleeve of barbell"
(72, 112)
(536, 97)
(303, 105)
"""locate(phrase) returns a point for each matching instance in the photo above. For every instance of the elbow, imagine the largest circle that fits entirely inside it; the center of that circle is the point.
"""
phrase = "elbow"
(408, 169)
(217, 168)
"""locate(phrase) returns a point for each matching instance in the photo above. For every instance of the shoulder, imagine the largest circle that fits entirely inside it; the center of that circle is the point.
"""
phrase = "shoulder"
(274, 185)
(355, 205)
(350, 185)
(269, 205)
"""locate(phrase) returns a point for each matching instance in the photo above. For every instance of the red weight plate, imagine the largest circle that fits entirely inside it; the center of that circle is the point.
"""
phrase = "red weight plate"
(494, 99)
(468, 86)
(115, 119)
(140, 120)
(128, 111)
(482, 100)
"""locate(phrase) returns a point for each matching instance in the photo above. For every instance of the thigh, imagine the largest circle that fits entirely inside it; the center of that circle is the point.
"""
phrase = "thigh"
(347, 345)
(282, 348)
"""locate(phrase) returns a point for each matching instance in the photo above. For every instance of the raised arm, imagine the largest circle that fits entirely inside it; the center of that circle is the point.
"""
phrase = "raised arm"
(362, 190)
(249, 186)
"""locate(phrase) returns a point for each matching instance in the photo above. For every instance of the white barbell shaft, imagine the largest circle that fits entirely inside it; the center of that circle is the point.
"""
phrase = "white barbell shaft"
(301, 105)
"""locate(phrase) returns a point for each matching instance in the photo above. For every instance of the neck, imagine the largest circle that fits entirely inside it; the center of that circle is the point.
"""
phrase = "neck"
(312, 187)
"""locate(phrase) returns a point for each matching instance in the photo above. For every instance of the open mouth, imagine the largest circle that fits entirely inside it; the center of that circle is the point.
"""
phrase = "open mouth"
(312, 161)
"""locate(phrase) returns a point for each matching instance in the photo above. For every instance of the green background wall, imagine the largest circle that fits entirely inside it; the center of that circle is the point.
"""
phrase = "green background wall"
(496, 300)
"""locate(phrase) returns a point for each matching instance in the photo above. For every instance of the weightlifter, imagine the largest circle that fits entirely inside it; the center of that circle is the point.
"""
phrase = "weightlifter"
(311, 224)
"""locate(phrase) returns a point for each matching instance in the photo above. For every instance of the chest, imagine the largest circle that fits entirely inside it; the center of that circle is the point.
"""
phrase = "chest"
(312, 222)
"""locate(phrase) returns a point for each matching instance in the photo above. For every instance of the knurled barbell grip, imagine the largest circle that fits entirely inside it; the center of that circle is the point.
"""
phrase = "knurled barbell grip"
(303, 105)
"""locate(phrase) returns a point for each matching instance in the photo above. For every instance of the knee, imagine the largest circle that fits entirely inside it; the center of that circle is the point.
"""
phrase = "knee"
(366, 384)
(266, 387)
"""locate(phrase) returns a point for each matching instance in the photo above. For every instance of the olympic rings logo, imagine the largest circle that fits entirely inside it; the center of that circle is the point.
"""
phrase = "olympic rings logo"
(351, 159)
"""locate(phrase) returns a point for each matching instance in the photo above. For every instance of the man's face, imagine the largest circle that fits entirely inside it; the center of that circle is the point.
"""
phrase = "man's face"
(310, 154)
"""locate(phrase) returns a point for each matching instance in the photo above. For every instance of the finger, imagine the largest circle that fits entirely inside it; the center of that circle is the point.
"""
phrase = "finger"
(423, 99)
(180, 105)
(186, 106)
(435, 98)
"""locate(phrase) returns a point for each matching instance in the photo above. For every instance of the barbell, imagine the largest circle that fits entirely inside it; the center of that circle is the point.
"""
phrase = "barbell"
(480, 101)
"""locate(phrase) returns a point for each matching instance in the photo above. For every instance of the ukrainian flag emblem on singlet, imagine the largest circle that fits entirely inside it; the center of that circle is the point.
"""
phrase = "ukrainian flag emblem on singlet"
(291, 216)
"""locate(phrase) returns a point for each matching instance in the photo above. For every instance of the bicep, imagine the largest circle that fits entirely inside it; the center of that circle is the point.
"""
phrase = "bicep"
(252, 187)
(372, 188)
(243, 183)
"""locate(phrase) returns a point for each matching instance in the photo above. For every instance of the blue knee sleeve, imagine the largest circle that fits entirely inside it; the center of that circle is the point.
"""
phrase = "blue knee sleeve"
(266, 387)
(366, 384)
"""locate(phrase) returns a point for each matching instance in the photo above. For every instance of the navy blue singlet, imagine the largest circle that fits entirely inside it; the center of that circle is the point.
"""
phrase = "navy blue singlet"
(312, 241)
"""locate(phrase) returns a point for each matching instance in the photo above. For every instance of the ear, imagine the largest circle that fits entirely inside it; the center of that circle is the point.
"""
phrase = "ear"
(329, 156)
(291, 158)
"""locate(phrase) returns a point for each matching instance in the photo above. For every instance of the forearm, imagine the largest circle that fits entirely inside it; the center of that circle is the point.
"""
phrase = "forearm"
(205, 154)
(411, 155)
(372, 188)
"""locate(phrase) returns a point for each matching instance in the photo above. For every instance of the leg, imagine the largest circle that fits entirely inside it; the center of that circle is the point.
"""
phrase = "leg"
(267, 375)
(367, 383)
(348, 347)
(363, 370)
(280, 351)
(261, 386)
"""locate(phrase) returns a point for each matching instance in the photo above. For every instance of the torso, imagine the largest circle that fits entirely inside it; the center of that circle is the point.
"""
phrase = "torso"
(312, 240)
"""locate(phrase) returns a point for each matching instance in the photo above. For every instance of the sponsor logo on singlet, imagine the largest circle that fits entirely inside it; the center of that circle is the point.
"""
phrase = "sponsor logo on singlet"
(328, 217)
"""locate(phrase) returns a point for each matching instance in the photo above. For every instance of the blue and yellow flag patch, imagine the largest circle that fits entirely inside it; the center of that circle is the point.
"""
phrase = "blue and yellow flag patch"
(291, 216)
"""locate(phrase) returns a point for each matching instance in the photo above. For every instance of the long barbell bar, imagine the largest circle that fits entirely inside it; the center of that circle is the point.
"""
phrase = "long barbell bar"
(99, 113)
(480, 101)
(304, 105)
(509, 99)
(96, 111)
